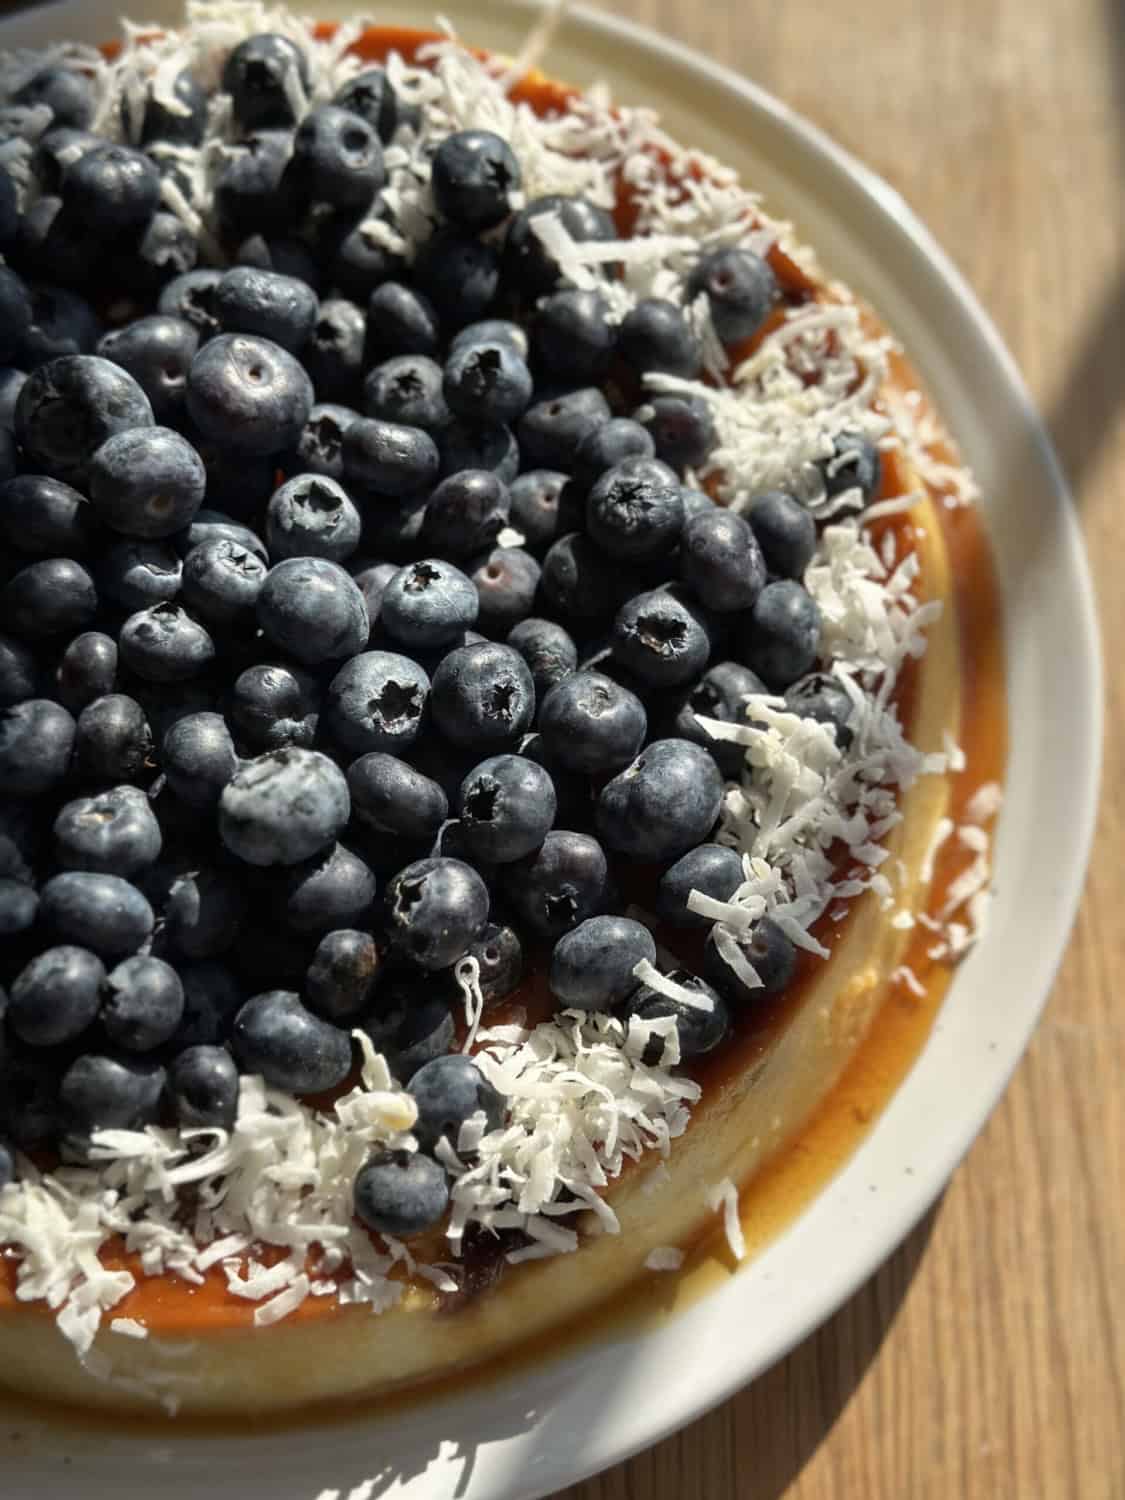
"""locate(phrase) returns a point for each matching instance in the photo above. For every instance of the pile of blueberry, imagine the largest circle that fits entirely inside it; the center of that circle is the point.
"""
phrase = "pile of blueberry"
(285, 731)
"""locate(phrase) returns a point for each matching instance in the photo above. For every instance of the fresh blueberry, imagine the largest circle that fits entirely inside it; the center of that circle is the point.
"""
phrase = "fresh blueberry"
(273, 705)
(270, 306)
(662, 638)
(565, 881)
(855, 464)
(69, 406)
(506, 581)
(275, 1036)
(769, 952)
(355, 251)
(203, 912)
(45, 517)
(472, 175)
(528, 263)
(435, 909)
(51, 597)
(459, 274)
(699, 1028)
(635, 511)
(100, 912)
(264, 76)
(740, 289)
(487, 382)
(449, 1091)
(663, 803)
(592, 724)
(19, 907)
(54, 998)
(311, 516)
(371, 96)
(86, 670)
(198, 757)
(400, 321)
(491, 331)
(482, 696)
(389, 796)
(572, 338)
(579, 582)
(310, 608)
(113, 740)
(62, 323)
(55, 150)
(337, 159)
(19, 671)
(682, 429)
(36, 740)
(465, 513)
(335, 889)
(388, 457)
(712, 869)
(184, 125)
(249, 394)
(142, 1004)
(343, 976)
(785, 532)
(320, 447)
(549, 651)
(506, 806)
(592, 965)
(190, 299)
(136, 574)
(212, 997)
(284, 255)
(371, 580)
(99, 1092)
(655, 336)
(112, 186)
(377, 701)
(407, 390)
(113, 832)
(164, 644)
(721, 562)
(157, 352)
(781, 634)
(283, 807)
(604, 447)
(222, 581)
(68, 94)
(203, 1089)
(428, 604)
(412, 1021)
(499, 957)
(721, 693)
(551, 430)
(534, 498)
(825, 699)
(479, 445)
(146, 483)
(401, 1193)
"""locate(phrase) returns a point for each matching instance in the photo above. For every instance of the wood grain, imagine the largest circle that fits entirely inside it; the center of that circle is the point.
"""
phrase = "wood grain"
(986, 1360)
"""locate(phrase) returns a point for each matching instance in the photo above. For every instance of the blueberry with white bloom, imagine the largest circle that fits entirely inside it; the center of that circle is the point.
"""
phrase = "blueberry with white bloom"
(55, 997)
(311, 609)
(203, 1088)
(401, 1193)
(473, 174)
(69, 406)
(142, 1003)
(565, 881)
(283, 807)
(276, 1036)
(459, 273)
(482, 696)
(377, 701)
(267, 304)
(435, 908)
(391, 797)
(721, 561)
(337, 159)
(199, 759)
(551, 429)
(114, 832)
(712, 869)
(740, 289)
(103, 1092)
(388, 457)
(157, 352)
(507, 581)
(572, 337)
(781, 634)
(100, 912)
(465, 513)
(272, 705)
(682, 429)
(769, 952)
(635, 510)
(663, 803)
(112, 740)
(249, 395)
(507, 806)
(655, 335)
(164, 644)
(311, 515)
(590, 723)
(53, 596)
(487, 382)
(428, 603)
(662, 638)
(222, 580)
(263, 75)
(36, 740)
(407, 389)
(449, 1091)
(547, 648)
(592, 966)
(785, 531)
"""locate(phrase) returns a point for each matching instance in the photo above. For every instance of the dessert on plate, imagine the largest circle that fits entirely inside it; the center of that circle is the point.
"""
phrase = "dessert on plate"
(501, 703)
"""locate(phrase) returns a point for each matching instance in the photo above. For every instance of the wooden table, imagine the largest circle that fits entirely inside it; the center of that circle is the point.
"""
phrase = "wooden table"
(986, 1360)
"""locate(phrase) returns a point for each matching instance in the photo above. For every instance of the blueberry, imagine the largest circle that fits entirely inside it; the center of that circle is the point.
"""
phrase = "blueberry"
(54, 998)
(699, 1029)
(549, 651)
(212, 997)
(11, 383)
(335, 889)
(51, 597)
(270, 306)
(435, 909)
(604, 447)
(720, 560)
(67, 93)
(86, 670)
(721, 693)
(407, 390)
(781, 634)
(528, 263)
(371, 96)
(185, 125)
(19, 907)
(198, 758)
(274, 1035)
(389, 796)
(565, 881)
(36, 739)
(534, 499)
(448, 1091)
(100, 912)
(635, 512)
(506, 806)
(248, 394)
(506, 581)
(472, 174)
(401, 1193)
(427, 604)
(662, 638)
(312, 516)
(487, 382)
(855, 464)
(592, 965)
(283, 807)
(264, 75)
(825, 699)
(99, 1092)
(142, 1004)
(712, 869)
(389, 457)
(491, 331)
(499, 957)
(551, 430)
(655, 336)
(203, 1089)
(190, 299)
(320, 447)
(411, 1024)
(682, 429)
(62, 323)
(273, 705)
(337, 159)
(136, 574)
(19, 671)
(310, 608)
(592, 724)
(222, 581)
(571, 336)
(377, 701)
(146, 483)
(663, 803)
(164, 644)
(15, 314)
(203, 912)
(46, 517)
(482, 696)
(55, 150)
(371, 580)
(785, 532)
(464, 513)
(286, 256)
(355, 252)
(157, 352)
(740, 289)
(343, 975)
(113, 832)
(57, 244)
(400, 320)
(479, 445)
(69, 406)
(771, 954)
(112, 186)
(112, 740)
(579, 582)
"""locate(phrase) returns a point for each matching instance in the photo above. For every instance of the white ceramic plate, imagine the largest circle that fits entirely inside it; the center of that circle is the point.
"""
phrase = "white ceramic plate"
(571, 1416)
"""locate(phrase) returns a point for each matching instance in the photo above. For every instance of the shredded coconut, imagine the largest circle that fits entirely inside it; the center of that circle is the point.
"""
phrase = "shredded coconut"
(724, 1196)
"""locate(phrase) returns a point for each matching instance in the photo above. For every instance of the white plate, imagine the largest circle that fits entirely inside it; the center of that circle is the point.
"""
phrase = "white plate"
(571, 1416)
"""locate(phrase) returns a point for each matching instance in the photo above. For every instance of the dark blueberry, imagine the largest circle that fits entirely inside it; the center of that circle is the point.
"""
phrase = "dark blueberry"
(203, 1089)
(29, 1097)
(371, 580)
(392, 797)
(721, 693)
(113, 832)
(68, 94)
(203, 912)
(287, 257)
(56, 150)
(337, 159)
(712, 869)
(534, 499)
(87, 669)
(506, 806)
(412, 1021)
(663, 803)
(781, 634)
(69, 406)
(343, 976)
(357, 254)
(499, 957)
(166, 249)
(551, 430)
(15, 314)
(389, 457)
(459, 274)
(146, 483)
(855, 464)
(275, 1036)
(655, 335)
(164, 644)
(190, 299)
(52, 597)
(310, 608)
(699, 1028)
(785, 531)
(62, 323)
(212, 996)
(428, 604)
(36, 739)
(320, 448)
(479, 445)
(740, 289)
(265, 75)
(45, 516)
(465, 513)
(268, 305)
(336, 889)
(610, 444)
(137, 574)
(272, 706)
(401, 1193)
(590, 723)
(248, 394)
(592, 965)
(720, 560)
(491, 331)
(19, 907)
(55, 997)
(157, 351)
(198, 757)
(549, 651)
(113, 740)
(142, 1004)
(222, 581)
(112, 186)
(377, 701)
(635, 511)
(101, 912)
(506, 580)
(527, 261)
(662, 638)
(769, 952)
(579, 581)
(283, 807)
(682, 429)
(565, 881)
(487, 382)
(407, 390)
(98, 1092)
(371, 96)
(571, 335)
(183, 123)
(400, 321)
(482, 696)
(19, 671)
(825, 699)
(435, 909)
(11, 383)
(472, 174)
(311, 516)
(449, 1091)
